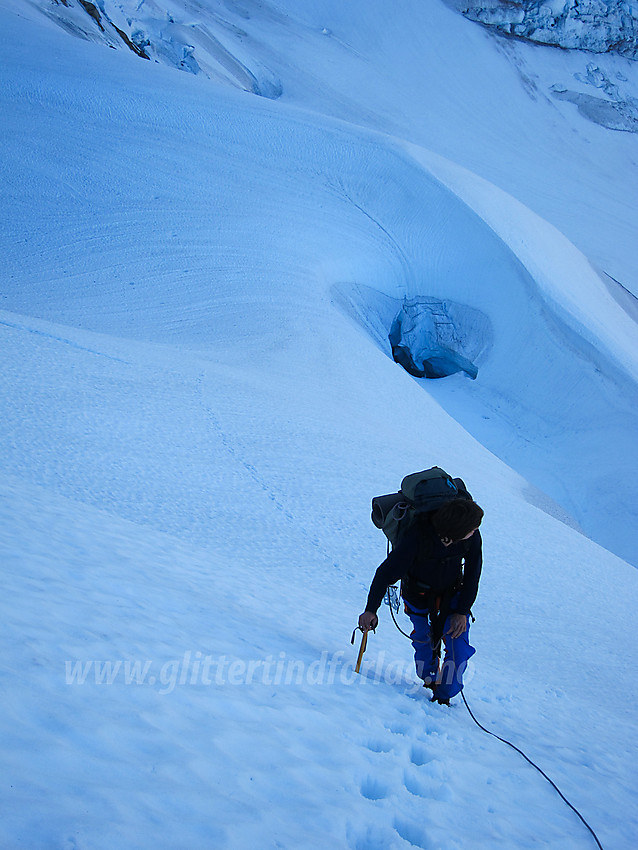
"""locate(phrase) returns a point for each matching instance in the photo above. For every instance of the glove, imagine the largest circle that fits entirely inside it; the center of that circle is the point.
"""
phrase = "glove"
(368, 621)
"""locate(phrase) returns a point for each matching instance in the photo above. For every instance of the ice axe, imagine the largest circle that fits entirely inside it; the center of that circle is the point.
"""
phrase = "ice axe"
(362, 648)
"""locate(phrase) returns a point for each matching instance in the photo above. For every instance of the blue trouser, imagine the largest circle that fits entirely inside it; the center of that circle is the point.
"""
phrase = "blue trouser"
(449, 679)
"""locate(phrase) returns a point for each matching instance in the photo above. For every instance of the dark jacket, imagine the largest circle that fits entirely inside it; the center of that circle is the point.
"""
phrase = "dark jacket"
(421, 561)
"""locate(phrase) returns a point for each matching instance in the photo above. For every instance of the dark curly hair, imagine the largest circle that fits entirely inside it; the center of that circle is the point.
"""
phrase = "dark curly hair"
(457, 519)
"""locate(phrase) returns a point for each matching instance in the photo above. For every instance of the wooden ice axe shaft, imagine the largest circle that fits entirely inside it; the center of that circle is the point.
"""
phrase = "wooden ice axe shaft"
(362, 649)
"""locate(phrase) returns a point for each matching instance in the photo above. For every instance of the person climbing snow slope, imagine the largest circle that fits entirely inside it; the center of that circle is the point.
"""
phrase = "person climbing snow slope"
(438, 561)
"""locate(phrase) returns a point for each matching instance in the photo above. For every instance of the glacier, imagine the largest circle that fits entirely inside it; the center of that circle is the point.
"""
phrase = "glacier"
(199, 399)
(598, 26)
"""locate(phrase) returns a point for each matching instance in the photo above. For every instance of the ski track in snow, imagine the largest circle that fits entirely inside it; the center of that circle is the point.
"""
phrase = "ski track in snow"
(191, 433)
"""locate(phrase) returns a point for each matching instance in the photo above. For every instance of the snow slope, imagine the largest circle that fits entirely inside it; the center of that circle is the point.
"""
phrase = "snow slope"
(419, 228)
(196, 409)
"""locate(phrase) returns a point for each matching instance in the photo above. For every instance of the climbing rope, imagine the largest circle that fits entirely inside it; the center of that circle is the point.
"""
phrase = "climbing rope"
(392, 601)
(505, 741)
(542, 772)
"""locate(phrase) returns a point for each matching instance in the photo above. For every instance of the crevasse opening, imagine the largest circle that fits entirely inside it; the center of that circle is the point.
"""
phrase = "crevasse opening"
(432, 338)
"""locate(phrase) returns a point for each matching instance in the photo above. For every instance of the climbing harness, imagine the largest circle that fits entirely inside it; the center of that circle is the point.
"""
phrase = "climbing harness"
(391, 599)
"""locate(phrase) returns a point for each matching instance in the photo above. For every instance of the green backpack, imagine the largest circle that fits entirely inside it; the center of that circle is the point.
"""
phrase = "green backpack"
(420, 493)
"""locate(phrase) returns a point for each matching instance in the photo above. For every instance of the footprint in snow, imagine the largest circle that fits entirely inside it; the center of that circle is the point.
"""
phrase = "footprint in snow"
(412, 833)
(374, 788)
(374, 837)
(428, 778)
(398, 728)
(378, 746)
(415, 785)
(419, 755)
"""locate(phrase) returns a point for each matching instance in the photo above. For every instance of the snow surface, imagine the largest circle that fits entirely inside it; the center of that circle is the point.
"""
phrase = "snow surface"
(198, 404)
